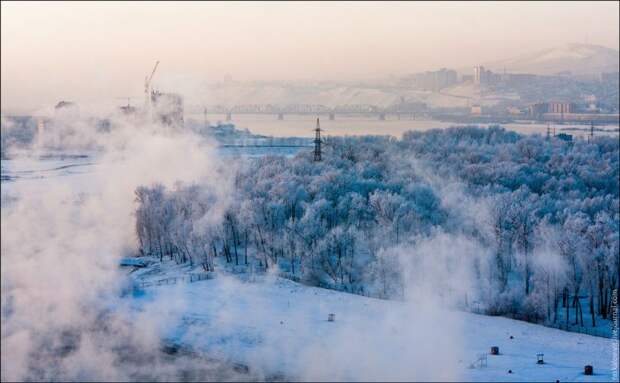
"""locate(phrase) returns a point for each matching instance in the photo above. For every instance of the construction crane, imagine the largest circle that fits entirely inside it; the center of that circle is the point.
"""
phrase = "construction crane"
(147, 87)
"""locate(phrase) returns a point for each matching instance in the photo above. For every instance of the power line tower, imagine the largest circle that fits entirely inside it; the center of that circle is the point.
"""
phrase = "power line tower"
(317, 141)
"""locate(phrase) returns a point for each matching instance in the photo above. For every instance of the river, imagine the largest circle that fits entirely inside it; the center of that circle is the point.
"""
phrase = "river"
(303, 125)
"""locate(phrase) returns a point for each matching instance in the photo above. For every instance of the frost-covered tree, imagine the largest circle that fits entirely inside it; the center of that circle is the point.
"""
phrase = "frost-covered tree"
(550, 216)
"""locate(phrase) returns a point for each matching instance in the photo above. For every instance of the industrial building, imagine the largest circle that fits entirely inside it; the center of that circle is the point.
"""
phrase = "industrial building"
(560, 107)
(536, 110)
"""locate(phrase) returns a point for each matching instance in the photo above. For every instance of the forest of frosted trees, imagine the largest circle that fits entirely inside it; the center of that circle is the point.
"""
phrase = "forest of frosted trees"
(539, 215)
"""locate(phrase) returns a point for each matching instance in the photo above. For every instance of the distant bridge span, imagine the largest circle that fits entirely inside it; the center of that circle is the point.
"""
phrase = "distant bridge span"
(316, 109)
(268, 142)
(263, 146)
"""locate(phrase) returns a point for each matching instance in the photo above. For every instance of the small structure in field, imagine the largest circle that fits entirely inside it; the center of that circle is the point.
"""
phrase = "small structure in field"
(588, 370)
(539, 358)
(494, 350)
(331, 317)
(133, 262)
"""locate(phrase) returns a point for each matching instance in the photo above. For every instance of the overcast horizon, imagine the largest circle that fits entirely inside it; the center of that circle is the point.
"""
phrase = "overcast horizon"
(94, 51)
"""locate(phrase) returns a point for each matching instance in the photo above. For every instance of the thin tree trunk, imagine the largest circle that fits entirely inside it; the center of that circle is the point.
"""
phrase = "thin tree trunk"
(548, 300)
(592, 312)
(555, 305)
(234, 234)
(246, 247)
(576, 306)
(567, 307)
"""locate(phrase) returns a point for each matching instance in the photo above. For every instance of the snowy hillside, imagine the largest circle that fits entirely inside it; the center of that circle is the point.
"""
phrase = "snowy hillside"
(333, 96)
(282, 94)
(279, 327)
(579, 59)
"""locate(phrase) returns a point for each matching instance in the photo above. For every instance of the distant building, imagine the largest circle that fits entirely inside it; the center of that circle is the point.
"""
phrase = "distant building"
(537, 110)
(478, 74)
(568, 111)
(484, 76)
(435, 80)
(445, 78)
(560, 107)
(167, 108)
(476, 110)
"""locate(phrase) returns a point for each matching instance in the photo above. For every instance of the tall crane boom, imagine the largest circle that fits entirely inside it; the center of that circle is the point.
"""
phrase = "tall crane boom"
(153, 72)
(147, 85)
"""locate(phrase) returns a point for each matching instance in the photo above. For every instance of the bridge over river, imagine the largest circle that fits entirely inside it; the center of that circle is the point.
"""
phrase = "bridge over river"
(365, 110)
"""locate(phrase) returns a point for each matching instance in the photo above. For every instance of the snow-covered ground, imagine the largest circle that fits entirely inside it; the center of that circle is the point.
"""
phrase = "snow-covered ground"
(276, 326)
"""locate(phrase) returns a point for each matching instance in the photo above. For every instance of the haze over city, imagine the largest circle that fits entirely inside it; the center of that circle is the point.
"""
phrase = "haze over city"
(95, 50)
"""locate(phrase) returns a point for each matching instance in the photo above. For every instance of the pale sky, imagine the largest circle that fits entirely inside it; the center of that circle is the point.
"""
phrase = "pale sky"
(85, 52)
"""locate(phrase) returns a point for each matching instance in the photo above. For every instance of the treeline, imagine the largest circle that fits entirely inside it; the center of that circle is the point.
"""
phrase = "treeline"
(555, 214)
(324, 222)
(550, 232)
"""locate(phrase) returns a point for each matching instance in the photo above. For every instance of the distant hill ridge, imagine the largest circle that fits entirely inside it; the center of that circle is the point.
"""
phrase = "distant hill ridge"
(579, 59)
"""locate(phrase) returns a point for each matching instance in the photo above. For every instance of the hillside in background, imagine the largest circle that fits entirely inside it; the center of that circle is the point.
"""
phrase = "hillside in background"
(579, 59)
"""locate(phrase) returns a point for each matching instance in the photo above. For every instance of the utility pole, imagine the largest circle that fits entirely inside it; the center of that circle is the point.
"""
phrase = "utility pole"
(591, 137)
(317, 141)
(548, 131)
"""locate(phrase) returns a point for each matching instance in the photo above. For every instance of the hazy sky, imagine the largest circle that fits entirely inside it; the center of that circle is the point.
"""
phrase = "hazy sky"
(85, 52)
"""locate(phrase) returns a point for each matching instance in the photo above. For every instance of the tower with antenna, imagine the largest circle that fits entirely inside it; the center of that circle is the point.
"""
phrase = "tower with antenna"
(317, 141)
